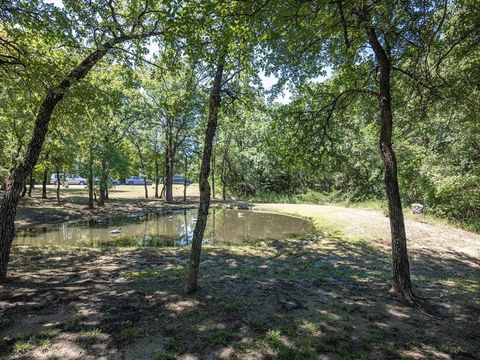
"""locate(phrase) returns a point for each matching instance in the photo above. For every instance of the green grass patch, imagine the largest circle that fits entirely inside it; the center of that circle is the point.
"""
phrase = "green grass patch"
(176, 345)
(91, 336)
(177, 271)
(129, 333)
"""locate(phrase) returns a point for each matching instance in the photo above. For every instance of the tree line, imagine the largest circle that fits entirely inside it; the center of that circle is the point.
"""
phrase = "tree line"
(81, 85)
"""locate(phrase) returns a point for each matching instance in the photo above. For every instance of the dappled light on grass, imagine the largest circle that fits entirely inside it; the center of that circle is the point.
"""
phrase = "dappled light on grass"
(300, 298)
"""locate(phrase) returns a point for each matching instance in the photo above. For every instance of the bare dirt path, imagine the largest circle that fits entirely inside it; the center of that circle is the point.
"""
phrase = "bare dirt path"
(374, 226)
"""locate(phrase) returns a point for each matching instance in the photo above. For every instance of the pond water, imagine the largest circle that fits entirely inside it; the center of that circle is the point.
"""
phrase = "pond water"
(171, 228)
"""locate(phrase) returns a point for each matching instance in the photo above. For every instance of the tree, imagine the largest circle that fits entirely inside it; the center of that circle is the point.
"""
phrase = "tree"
(230, 50)
(174, 104)
(105, 33)
(214, 106)
(369, 41)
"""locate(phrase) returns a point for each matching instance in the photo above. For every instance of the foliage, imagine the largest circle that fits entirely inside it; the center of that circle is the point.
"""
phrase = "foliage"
(320, 147)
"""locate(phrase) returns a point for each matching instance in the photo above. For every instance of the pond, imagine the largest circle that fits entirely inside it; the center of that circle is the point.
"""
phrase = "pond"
(170, 228)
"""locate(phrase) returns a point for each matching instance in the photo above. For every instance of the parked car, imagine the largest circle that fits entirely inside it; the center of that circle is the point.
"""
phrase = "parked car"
(68, 179)
(179, 179)
(112, 181)
(137, 180)
(53, 178)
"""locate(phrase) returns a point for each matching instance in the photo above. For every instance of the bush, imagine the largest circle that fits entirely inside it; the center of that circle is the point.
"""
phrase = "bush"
(458, 198)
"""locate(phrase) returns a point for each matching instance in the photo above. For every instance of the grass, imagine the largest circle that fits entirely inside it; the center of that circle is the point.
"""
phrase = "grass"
(26, 342)
(301, 298)
(129, 333)
(160, 355)
(335, 198)
(291, 299)
(91, 336)
(177, 271)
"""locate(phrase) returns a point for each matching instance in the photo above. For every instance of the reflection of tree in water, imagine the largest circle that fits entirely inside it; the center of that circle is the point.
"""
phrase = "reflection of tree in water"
(174, 228)
(187, 229)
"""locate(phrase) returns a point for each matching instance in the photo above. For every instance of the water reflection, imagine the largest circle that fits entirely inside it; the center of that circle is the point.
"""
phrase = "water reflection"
(174, 228)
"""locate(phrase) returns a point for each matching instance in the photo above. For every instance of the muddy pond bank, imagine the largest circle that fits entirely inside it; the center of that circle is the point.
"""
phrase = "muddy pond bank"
(73, 205)
(165, 228)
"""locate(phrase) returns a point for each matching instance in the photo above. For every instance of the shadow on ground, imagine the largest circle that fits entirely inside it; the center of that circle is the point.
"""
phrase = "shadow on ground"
(320, 297)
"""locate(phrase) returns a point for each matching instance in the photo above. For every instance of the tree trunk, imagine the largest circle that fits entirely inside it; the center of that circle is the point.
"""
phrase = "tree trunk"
(169, 156)
(224, 165)
(31, 185)
(213, 173)
(146, 187)
(107, 182)
(90, 180)
(103, 182)
(142, 165)
(401, 269)
(9, 201)
(214, 106)
(45, 178)
(185, 179)
(58, 185)
(162, 193)
(157, 176)
(24, 189)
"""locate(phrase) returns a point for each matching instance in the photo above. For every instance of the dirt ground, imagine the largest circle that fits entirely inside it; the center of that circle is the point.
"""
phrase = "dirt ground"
(318, 297)
(374, 226)
(123, 199)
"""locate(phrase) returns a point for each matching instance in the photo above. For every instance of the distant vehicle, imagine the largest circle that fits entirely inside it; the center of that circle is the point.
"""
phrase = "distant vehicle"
(53, 178)
(137, 180)
(179, 179)
(68, 179)
(112, 181)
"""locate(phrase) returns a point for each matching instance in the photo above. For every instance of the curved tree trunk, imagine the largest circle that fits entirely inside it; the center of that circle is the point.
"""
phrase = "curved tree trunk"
(401, 268)
(214, 106)
(9, 201)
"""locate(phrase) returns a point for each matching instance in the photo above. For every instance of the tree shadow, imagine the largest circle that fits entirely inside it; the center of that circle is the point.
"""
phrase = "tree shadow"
(292, 299)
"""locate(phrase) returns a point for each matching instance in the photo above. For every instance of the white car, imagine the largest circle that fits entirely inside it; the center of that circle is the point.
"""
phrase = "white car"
(69, 179)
